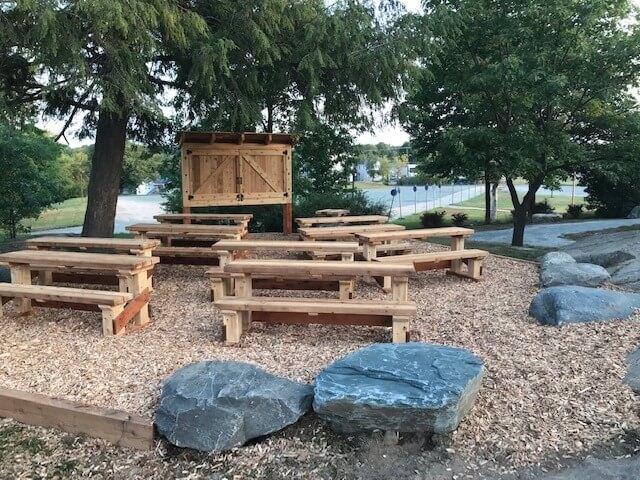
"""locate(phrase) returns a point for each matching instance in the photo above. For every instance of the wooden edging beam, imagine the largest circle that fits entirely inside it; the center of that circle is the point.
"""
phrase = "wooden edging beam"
(118, 427)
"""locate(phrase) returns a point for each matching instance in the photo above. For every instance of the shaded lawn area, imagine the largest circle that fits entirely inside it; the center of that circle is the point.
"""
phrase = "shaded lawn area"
(371, 185)
(559, 202)
(69, 213)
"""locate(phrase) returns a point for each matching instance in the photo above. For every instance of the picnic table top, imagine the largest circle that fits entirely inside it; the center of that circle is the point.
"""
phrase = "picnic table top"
(334, 232)
(314, 267)
(373, 237)
(93, 242)
(286, 245)
(79, 260)
(346, 219)
(182, 228)
(204, 216)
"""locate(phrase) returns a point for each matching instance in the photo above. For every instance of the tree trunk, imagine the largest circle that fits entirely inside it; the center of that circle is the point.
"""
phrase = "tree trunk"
(487, 199)
(269, 118)
(106, 170)
(494, 202)
(519, 223)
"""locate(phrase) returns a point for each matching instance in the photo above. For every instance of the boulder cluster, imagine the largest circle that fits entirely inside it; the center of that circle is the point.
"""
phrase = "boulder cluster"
(403, 387)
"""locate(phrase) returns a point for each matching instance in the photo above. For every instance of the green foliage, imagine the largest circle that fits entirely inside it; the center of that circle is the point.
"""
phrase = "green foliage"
(76, 166)
(324, 160)
(140, 165)
(575, 211)
(353, 200)
(459, 219)
(31, 177)
(613, 189)
(542, 207)
(433, 219)
(530, 89)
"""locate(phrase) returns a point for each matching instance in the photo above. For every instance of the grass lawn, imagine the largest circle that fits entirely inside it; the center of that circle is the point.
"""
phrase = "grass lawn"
(559, 202)
(370, 185)
(69, 213)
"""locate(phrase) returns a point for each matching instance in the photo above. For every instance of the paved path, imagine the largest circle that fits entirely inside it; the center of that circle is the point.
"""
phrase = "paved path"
(550, 235)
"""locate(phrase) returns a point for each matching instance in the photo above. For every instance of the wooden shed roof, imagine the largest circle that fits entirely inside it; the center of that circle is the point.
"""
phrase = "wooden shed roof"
(234, 137)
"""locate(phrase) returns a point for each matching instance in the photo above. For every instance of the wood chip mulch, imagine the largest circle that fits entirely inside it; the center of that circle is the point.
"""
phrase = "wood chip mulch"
(547, 393)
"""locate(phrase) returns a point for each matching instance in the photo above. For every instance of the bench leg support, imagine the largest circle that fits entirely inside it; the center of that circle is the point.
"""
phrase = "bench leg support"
(1, 309)
(22, 275)
(109, 314)
(233, 325)
(475, 269)
(346, 289)
(218, 289)
(400, 327)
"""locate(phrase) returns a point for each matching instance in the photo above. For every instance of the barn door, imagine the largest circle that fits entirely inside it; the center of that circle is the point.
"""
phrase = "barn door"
(263, 176)
(213, 178)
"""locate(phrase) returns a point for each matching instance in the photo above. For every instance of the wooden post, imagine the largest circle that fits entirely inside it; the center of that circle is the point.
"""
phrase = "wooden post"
(244, 288)
(21, 274)
(109, 314)
(186, 210)
(233, 327)
(287, 218)
(400, 328)
(457, 243)
(136, 284)
(400, 289)
(1, 310)
(346, 290)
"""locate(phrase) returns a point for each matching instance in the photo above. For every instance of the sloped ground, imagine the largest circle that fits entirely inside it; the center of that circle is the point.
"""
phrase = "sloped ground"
(550, 396)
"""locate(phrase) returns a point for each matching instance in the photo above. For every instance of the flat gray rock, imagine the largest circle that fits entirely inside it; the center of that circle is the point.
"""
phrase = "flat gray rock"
(218, 405)
(405, 387)
(632, 378)
(627, 274)
(606, 249)
(635, 212)
(595, 469)
(558, 268)
(573, 304)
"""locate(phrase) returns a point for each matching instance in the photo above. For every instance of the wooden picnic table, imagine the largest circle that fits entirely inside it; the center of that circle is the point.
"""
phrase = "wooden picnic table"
(232, 218)
(135, 246)
(371, 240)
(335, 233)
(318, 249)
(131, 271)
(343, 220)
(169, 231)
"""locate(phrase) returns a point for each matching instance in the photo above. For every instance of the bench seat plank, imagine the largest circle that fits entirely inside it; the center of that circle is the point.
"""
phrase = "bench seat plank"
(418, 234)
(343, 220)
(318, 233)
(77, 260)
(435, 256)
(323, 268)
(64, 294)
(117, 244)
(287, 245)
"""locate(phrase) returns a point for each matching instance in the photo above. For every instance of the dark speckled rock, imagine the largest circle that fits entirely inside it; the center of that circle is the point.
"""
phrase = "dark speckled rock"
(218, 405)
(406, 387)
(572, 304)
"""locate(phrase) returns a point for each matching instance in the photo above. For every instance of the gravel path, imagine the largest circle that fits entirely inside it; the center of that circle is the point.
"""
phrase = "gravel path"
(549, 394)
(550, 235)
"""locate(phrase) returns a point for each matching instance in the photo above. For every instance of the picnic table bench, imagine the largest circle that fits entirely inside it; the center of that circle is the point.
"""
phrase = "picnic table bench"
(186, 243)
(118, 311)
(242, 219)
(343, 220)
(134, 246)
(222, 282)
(452, 260)
(239, 311)
(346, 231)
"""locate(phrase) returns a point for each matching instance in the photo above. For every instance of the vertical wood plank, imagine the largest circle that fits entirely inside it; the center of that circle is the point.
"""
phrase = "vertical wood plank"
(21, 274)
(400, 327)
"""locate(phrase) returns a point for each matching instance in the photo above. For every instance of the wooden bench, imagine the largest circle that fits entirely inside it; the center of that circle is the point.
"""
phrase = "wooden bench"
(319, 250)
(451, 259)
(242, 219)
(167, 232)
(111, 304)
(342, 220)
(373, 241)
(244, 271)
(188, 255)
(346, 231)
(239, 312)
(133, 246)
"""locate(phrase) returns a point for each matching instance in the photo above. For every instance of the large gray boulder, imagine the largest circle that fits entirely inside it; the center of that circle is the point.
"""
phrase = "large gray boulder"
(218, 405)
(635, 212)
(632, 378)
(573, 304)
(627, 274)
(558, 268)
(405, 387)
(598, 469)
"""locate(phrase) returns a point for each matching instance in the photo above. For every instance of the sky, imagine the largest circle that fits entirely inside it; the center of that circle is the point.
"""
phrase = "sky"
(384, 132)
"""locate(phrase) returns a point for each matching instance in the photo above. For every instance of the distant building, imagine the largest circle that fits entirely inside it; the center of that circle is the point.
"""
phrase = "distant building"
(150, 188)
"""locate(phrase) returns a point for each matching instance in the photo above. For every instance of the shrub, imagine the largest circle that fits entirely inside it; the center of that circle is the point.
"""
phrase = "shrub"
(612, 189)
(356, 201)
(542, 207)
(432, 219)
(459, 219)
(575, 211)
